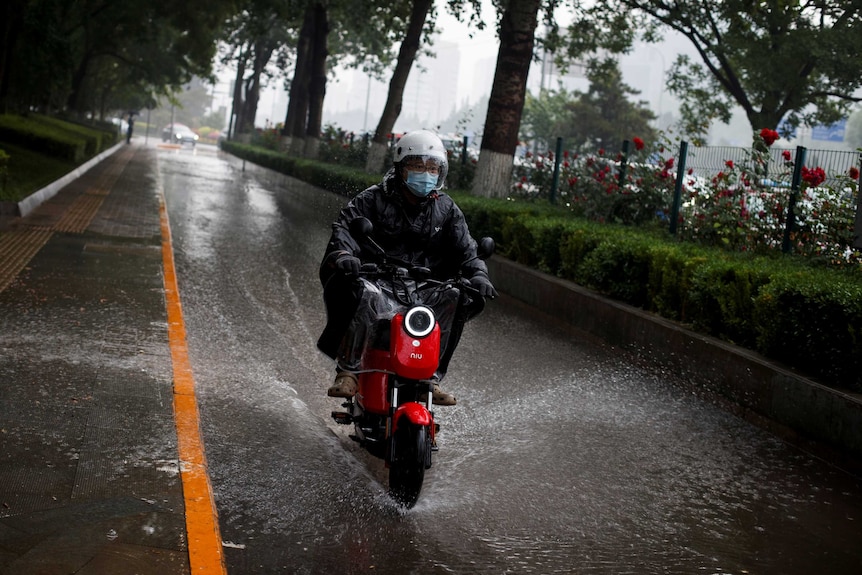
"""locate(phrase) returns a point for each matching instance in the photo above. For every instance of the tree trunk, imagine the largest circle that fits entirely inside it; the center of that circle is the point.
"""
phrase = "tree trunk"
(500, 138)
(74, 101)
(392, 109)
(297, 106)
(237, 95)
(262, 54)
(376, 157)
(317, 85)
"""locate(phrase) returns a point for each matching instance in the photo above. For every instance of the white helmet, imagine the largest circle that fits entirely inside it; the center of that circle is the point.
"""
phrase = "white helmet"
(422, 145)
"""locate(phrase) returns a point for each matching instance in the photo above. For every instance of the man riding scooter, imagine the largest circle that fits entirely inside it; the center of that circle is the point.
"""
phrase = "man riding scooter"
(420, 225)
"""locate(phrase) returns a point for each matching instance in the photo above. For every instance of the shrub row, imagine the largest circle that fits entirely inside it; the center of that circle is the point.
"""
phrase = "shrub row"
(330, 177)
(54, 137)
(806, 317)
(96, 138)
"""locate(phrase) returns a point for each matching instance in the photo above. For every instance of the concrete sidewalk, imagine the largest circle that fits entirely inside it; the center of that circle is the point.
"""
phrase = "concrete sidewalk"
(89, 479)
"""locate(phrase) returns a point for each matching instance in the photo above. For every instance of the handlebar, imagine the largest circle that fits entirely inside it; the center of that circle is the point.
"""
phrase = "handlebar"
(395, 271)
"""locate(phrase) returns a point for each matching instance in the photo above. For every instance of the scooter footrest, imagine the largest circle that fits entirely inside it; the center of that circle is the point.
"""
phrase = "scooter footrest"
(342, 417)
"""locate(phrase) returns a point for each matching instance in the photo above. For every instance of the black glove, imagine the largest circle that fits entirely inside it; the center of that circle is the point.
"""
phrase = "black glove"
(348, 264)
(484, 286)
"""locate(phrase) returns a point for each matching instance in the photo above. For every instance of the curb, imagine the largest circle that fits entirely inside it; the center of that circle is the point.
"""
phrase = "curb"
(35, 199)
(763, 392)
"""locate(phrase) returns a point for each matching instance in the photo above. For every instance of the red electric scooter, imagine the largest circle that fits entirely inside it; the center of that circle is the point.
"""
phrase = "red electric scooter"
(391, 412)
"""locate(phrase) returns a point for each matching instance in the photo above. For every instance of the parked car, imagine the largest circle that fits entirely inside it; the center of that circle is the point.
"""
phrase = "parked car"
(180, 134)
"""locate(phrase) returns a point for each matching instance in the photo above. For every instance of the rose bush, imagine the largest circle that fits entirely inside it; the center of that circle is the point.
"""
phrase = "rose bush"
(744, 207)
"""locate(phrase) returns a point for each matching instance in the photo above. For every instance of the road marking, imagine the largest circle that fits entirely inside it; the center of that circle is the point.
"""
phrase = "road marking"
(204, 540)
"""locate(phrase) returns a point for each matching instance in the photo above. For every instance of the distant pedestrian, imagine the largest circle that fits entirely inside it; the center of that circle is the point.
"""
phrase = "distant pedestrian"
(131, 127)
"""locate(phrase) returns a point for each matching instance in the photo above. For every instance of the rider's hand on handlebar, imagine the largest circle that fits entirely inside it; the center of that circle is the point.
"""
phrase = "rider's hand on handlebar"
(484, 286)
(348, 264)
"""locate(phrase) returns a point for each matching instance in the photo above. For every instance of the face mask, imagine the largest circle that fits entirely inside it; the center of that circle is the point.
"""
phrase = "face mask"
(421, 184)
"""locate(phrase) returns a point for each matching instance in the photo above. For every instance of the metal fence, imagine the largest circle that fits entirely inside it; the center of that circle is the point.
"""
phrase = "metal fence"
(706, 161)
(770, 179)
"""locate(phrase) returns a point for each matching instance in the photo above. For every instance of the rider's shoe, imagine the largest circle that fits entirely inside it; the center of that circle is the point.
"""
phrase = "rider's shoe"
(440, 397)
(344, 386)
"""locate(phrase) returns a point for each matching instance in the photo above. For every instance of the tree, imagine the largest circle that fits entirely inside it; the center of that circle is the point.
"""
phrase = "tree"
(543, 115)
(259, 30)
(88, 56)
(604, 116)
(783, 60)
(500, 138)
(296, 119)
(392, 108)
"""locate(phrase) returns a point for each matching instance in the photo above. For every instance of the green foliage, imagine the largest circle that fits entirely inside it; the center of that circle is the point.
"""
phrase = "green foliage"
(29, 133)
(344, 149)
(602, 117)
(337, 179)
(545, 117)
(741, 208)
(96, 140)
(721, 297)
(84, 58)
(671, 278)
(789, 62)
(29, 171)
(813, 320)
(578, 241)
(618, 268)
(40, 149)
(605, 186)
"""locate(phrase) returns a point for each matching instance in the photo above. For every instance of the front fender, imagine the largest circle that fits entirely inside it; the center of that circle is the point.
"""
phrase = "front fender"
(416, 413)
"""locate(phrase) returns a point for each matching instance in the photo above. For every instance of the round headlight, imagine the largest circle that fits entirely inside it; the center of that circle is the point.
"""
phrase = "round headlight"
(419, 321)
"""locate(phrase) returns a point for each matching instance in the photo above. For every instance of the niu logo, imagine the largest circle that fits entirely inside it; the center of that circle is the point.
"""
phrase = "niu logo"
(415, 356)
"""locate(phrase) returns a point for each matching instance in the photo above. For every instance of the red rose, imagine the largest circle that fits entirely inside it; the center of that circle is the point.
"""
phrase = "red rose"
(786, 155)
(853, 173)
(813, 177)
(768, 136)
(639, 144)
(729, 164)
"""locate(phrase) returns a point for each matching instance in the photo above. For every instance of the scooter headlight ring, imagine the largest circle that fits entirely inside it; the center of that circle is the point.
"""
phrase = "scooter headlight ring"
(419, 321)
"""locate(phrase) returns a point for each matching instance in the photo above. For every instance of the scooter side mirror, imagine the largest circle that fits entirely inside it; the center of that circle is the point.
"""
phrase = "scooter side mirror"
(486, 248)
(361, 228)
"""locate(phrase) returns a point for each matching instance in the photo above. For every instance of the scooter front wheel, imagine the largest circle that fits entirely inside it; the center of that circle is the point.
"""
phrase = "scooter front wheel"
(411, 448)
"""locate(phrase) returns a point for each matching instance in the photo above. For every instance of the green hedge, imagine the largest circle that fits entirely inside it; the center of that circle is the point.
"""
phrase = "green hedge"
(807, 317)
(96, 140)
(33, 135)
(54, 137)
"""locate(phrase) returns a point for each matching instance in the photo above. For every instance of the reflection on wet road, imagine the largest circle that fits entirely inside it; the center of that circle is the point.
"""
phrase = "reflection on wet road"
(561, 457)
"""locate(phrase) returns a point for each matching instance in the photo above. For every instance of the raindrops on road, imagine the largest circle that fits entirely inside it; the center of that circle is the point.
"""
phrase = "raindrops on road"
(562, 456)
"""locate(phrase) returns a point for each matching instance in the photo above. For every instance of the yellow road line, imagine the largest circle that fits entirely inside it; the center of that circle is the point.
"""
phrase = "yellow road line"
(205, 545)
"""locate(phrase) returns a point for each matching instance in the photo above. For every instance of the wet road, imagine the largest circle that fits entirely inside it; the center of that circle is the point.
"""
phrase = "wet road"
(561, 457)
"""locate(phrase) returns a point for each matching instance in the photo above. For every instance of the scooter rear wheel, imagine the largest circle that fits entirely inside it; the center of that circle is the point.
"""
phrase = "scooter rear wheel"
(411, 448)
